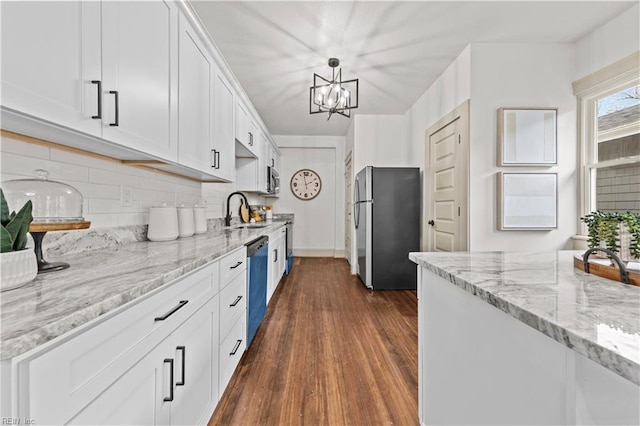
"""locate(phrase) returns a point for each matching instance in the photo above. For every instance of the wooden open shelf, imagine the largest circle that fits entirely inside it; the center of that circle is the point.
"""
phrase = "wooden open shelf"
(606, 271)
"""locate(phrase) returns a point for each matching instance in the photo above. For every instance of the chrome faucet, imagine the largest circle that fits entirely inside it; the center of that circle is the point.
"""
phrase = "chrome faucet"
(227, 218)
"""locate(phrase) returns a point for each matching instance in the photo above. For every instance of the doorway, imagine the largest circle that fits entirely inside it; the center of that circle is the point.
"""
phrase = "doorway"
(348, 205)
(445, 225)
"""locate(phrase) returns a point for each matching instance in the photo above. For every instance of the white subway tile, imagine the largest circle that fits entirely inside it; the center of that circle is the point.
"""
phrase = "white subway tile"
(100, 205)
(102, 220)
(23, 148)
(113, 178)
(19, 164)
(127, 219)
(83, 160)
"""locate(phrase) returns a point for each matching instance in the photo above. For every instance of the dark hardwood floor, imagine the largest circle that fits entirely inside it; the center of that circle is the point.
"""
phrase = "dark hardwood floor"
(329, 352)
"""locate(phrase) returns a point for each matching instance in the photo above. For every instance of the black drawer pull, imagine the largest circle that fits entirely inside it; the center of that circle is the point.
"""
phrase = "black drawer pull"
(235, 302)
(184, 362)
(276, 255)
(117, 121)
(235, 348)
(170, 361)
(172, 311)
(217, 160)
(213, 158)
(99, 83)
(236, 265)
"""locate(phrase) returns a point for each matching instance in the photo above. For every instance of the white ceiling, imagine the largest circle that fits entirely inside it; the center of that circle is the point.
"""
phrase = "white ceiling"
(396, 49)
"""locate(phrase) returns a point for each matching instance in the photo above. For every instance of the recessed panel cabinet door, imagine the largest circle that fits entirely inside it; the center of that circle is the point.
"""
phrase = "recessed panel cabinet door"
(140, 75)
(195, 110)
(223, 148)
(196, 384)
(137, 398)
(50, 56)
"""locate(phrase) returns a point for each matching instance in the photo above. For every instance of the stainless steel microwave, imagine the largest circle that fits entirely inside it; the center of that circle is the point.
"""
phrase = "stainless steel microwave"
(273, 181)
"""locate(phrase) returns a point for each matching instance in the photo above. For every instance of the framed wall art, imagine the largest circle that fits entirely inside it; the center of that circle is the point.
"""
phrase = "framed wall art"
(527, 136)
(527, 201)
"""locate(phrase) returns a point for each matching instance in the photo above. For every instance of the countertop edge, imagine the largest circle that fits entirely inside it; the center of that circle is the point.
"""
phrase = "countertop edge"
(27, 342)
(607, 358)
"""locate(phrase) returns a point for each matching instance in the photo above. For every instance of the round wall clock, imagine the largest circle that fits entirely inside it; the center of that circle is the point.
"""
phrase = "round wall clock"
(305, 184)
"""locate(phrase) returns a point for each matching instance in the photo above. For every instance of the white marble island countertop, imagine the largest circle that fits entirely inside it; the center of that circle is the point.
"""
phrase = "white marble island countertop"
(594, 316)
(100, 281)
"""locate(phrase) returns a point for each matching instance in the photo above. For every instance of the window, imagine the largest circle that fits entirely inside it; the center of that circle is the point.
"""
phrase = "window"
(609, 132)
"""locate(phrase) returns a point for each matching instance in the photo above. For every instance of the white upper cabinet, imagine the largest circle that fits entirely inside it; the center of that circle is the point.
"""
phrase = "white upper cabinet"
(195, 101)
(50, 57)
(223, 148)
(140, 75)
(274, 160)
(246, 133)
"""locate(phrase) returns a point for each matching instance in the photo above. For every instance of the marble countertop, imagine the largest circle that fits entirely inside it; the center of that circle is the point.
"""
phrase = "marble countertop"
(100, 281)
(596, 317)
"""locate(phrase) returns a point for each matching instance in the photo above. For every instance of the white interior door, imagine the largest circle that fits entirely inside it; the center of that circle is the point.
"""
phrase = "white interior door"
(445, 227)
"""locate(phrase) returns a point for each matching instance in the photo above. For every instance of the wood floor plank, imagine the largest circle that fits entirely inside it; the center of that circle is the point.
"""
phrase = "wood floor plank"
(329, 352)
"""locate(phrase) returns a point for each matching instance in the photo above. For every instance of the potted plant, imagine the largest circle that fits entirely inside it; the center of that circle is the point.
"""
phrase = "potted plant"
(618, 232)
(17, 262)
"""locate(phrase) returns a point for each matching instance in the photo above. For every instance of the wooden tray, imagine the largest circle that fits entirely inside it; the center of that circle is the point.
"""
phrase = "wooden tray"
(57, 226)
(605, 271)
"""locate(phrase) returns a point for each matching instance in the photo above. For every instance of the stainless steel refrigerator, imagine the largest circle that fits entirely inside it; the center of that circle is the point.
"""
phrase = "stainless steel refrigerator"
(387, 221)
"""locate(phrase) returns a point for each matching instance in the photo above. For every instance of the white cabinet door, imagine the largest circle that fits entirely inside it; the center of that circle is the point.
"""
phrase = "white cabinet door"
(246, 133)
(50, 56)
(223, 148)
(139, 397)
(140, 75)
(195, 366)
(195, 100)
(282, 261)
(242, 125)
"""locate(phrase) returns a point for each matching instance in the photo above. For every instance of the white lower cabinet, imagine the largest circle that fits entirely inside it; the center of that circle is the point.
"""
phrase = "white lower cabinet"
(276, 260)
(160, 361)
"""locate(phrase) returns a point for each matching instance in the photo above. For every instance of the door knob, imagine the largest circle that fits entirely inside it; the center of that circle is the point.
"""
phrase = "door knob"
(432, 223)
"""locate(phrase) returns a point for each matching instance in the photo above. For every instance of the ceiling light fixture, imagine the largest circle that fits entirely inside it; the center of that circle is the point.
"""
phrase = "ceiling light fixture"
(333, 96)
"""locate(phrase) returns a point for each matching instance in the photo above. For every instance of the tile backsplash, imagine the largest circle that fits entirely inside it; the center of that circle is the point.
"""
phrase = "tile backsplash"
(101, 181)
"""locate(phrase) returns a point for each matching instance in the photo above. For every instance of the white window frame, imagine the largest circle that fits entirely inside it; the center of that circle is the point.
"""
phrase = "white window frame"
(612, 79)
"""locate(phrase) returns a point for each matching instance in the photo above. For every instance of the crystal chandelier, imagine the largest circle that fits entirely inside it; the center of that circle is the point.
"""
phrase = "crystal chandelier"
(333, 96)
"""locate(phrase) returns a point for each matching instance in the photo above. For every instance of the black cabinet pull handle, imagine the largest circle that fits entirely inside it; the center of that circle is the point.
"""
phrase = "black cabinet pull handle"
(273, 162)
(235, 302)
(99, 83)
(172, 311)
(170, 362)
(235, 348)
(276, 255)
(250, 139)
(236, 265)
(217, 159)
(213, 158)
(184, 362)
(117, 122)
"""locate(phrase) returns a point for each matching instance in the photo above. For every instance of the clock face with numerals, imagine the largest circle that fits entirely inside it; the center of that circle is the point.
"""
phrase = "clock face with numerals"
(306, 184)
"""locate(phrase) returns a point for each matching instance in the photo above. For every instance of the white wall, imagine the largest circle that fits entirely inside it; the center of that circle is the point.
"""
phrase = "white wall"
(378, 141)
(613, 41)
(520, 75)
(319, 223)
(450, 89)
(99, 181)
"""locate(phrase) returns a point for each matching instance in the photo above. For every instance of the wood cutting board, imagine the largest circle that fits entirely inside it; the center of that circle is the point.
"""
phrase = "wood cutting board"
(244, 212)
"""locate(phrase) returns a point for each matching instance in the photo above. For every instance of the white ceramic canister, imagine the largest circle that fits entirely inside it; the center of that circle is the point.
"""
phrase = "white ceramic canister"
(163, 223)
(186, 223)
(200, 219)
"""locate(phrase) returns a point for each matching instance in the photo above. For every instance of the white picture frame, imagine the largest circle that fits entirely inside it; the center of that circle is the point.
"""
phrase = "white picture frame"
(527, 201)
(527, 136)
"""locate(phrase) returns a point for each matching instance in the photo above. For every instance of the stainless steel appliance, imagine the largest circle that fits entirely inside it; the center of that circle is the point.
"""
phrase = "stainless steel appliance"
(273, 181)
(387, 221)
(257, 252)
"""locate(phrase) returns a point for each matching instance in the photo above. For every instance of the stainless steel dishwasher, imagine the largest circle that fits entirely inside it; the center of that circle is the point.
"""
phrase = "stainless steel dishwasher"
(257, 253)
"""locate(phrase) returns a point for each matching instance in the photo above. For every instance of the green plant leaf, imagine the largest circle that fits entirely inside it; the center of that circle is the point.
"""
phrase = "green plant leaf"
(6, 242)
(19, 226)
(5, 209)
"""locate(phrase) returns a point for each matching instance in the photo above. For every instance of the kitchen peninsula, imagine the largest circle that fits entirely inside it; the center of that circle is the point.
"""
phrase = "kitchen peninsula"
(524, 338)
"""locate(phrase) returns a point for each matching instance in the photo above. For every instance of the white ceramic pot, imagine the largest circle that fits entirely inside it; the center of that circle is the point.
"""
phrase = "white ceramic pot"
(200, 219)
(186, 223)
(17, 268)
(163, 223)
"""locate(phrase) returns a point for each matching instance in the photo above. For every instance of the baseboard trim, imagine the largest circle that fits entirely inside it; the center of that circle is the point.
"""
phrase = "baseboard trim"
(338, 253)
(313, 252)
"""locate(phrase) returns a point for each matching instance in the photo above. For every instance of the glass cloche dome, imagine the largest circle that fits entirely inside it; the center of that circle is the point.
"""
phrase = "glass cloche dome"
(52, 201)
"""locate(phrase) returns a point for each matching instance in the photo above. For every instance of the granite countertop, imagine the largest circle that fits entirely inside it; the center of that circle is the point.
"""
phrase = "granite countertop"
(594, 316)
(100, 281)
